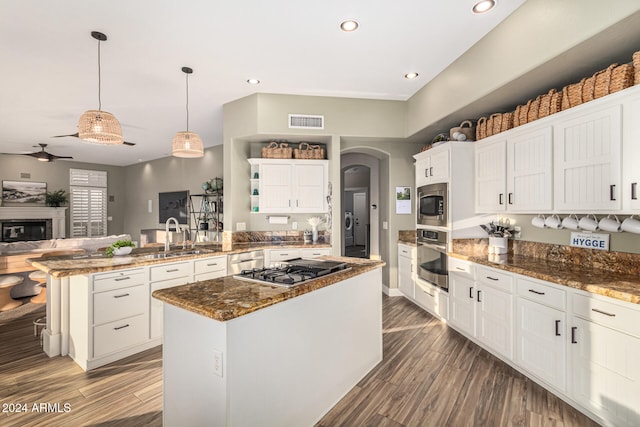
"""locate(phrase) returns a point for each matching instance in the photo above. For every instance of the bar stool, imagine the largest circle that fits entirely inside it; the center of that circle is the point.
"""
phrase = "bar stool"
(41, 278)
(6, 283)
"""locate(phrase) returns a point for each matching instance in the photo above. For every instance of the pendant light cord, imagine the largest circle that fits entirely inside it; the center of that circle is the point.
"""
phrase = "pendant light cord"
(187, 77)
(99, 79)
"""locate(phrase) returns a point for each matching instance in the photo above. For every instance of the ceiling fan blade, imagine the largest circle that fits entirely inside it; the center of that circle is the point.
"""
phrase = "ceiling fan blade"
(54, 157)
(75, 135)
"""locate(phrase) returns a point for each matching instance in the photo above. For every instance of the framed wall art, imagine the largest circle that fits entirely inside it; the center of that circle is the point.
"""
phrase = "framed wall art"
(24, 192)
(173, 204)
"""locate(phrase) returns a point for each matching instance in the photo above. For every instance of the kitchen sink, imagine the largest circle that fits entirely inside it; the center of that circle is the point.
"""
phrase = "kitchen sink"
(164, 255)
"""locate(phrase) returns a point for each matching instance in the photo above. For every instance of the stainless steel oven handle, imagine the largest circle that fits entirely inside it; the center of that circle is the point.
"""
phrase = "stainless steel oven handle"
(437, 247)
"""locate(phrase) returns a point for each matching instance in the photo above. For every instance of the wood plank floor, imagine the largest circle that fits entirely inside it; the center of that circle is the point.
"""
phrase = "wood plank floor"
(430, 376)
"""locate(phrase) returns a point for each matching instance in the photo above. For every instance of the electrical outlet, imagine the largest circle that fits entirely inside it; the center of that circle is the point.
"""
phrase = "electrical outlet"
(241, 226)
(517, 232)
(385, 225)
(294, 225)
(217, 363)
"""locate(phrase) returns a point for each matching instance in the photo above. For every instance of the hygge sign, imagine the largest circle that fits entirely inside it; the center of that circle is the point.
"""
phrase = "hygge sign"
(590, 241)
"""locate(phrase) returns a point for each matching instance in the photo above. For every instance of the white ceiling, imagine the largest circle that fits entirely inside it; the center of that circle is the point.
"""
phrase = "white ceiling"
(49, 76)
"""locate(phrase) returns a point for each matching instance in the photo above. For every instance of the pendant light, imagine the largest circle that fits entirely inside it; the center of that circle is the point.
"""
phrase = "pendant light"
(99, 126)
(185, 143)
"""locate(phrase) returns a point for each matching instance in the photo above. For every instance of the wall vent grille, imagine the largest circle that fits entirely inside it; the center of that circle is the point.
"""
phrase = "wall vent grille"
(305, 121)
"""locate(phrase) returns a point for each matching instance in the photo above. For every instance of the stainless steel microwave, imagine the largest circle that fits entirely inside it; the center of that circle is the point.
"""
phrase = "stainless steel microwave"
(432, 204)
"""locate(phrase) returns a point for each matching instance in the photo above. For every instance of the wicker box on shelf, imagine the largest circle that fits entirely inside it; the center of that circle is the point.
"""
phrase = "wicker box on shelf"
(307, 151)
(277, 150)
(481, 128)
(636, 66)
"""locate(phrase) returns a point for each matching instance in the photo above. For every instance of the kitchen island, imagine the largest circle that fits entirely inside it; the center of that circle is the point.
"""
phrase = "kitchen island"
(239, 353)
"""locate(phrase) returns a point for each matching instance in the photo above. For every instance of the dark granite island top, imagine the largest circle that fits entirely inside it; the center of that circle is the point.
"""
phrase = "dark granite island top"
(226, 298)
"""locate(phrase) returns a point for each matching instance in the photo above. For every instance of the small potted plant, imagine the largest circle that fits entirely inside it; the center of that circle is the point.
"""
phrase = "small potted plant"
(120, 247)
(56, 198)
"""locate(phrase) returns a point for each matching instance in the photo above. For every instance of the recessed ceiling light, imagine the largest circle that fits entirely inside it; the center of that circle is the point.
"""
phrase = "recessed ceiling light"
(484, 6)
(253, 81)
(411, 76)
(349, 25)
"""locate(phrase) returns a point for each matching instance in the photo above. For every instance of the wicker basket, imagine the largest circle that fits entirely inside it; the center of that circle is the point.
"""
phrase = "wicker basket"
(621, 78)
(494, 124)
(465, 128)
(277, 151)
(507, 121)
(481, 128)
(549, 103)
(603, 81)
(534, 107)
(522, 113)
(306, 151)
(588, 89)
(636, 66)
(572, 94)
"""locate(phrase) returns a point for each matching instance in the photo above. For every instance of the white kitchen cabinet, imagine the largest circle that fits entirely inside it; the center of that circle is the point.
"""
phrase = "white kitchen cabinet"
(433, 166)
(604, 354)
(209, 268)
(490, 176)
(462, 304)
(314, 252)
(631, 155)
(284, 185)
(406, 270)
(165, 276)
(587, 159)
(432, 298)
(541, 342)
(272, 256)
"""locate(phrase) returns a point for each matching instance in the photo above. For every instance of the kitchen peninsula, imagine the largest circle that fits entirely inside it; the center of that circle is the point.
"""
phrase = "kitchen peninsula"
(245, 354)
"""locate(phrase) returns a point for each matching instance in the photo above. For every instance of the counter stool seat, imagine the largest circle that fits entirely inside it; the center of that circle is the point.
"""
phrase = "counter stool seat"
(6, 283)
(38, 276)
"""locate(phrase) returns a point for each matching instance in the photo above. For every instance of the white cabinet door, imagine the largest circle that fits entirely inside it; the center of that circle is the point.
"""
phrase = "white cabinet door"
(406, 283)
(631, 155)
(309, 193)
(540, 342)
(275, 187)
(587, 157)
(494, 319)
(530, 171)
(491, 175)
(605, 374)
(433, 166)
(462, 303)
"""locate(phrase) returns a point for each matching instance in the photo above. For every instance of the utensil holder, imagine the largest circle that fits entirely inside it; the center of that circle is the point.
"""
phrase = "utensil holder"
(498, 245)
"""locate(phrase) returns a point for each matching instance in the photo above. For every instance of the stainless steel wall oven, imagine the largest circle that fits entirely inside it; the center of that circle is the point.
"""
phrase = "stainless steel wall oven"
(432, 257)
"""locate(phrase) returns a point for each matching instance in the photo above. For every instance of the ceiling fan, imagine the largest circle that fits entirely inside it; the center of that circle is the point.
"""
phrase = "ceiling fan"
(42, 155)
(75, 135)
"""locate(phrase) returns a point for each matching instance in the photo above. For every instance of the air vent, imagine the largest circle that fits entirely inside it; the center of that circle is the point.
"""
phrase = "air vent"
(303, 121)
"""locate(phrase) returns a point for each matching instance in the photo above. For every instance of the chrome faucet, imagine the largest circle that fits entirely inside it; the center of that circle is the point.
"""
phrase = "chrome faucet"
(166, 234)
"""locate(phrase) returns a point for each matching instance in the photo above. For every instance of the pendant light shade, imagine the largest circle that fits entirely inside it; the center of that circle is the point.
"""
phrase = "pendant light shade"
(187, 144)
(99, 126)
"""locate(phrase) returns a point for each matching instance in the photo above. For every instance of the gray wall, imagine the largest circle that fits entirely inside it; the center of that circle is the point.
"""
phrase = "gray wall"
(56, 175)
(143, 182)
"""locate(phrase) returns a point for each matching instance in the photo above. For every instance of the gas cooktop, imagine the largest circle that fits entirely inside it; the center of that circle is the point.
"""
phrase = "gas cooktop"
(292, 272)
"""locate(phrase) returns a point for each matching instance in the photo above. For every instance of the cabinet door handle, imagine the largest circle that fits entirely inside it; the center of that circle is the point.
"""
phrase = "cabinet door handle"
(573, 335)
(634, 191)
(479, 295)
(119, 279)
(612, 189)
(471, 292)
(492, 278)
(431, 170)
(121, 296)
(603, 312)
(426, 173)
(510, 198)
(296, 203)
(500, 198)
(289, 203)
(172, 270)
(557, 328)
(117, 328)
(536, 292)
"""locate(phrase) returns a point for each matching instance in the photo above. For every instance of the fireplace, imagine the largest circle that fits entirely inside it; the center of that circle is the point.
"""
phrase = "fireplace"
(18, 230)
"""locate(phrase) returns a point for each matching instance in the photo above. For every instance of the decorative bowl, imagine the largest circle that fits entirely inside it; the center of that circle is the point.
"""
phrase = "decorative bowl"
(125, 250)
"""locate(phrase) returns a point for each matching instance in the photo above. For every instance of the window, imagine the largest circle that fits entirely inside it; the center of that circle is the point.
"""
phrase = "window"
(88, 217)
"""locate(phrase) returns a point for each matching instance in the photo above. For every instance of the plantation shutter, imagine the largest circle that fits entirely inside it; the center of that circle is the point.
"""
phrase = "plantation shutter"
(88, 217)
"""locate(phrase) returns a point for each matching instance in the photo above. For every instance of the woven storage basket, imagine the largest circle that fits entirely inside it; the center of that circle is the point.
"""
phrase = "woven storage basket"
(523, 113)
(545, 103)
(277, 151)
(532, 114)
(588, 89)
(465, 128)
(636, 66)
(307, 151)
(481, 128)
(507, 121)
(603, 81)
(556, 103)
(621, 78)
(494, 123)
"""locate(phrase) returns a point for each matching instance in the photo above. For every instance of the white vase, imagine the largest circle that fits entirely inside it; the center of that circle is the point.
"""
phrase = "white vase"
(314, 234)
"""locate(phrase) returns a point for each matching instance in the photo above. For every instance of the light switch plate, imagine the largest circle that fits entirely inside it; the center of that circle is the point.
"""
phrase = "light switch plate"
(294, 225)
(385, 225)
(241, 226)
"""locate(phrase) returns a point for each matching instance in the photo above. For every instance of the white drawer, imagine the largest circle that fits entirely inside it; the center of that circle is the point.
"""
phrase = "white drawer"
(114, 336)
(209, 265)
(170, 271)
(612, 314)
(432, 299)
(119, 303)
(497, 279)
(313, 253)
(211, 275)
(542, 293)
(406, 251)
(463, 267)
(117, 279)
(278, 255)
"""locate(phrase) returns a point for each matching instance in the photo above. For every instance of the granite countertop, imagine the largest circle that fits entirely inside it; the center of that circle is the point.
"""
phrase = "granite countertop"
(621, 286)
(70, 265)
(226, 298)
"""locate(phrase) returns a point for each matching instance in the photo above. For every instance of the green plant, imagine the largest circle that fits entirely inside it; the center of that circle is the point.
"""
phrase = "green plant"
(118, 244)
(56, 198)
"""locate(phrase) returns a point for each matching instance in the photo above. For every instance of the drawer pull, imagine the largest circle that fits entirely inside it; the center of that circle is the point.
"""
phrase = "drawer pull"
(492, 278)
(121, 296)
(603, 312)
(173, 270)
(536, 292)
(431, 295)
(212, 264)
(117, 328)
(318, 254)
(470, 292)
(557, 328)
(118, 279)
(460, 268)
